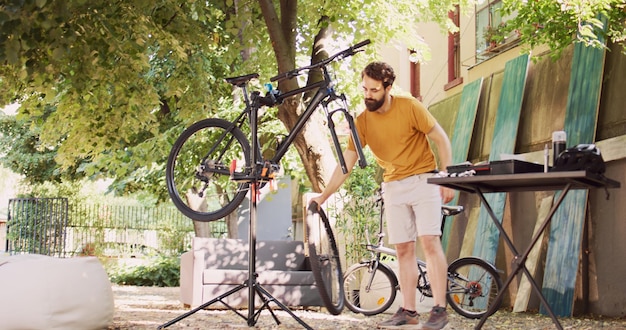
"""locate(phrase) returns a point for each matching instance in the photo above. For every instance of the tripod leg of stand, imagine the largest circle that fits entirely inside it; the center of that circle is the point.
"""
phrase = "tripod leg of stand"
(266, 295)
(205, 305)
(266, 304)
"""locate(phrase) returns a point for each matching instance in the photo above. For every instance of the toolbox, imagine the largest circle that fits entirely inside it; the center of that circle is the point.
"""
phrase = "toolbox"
(514, 166)
(480, 169)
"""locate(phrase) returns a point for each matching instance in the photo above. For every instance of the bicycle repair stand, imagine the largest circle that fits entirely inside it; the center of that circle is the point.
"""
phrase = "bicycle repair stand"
(251, 283)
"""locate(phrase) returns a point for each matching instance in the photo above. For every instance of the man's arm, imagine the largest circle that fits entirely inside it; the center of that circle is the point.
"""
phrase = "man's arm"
(444, 148)
(338, 177)
(444, 151)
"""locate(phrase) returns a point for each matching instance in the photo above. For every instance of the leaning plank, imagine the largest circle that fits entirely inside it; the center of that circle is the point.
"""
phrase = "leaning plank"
(472, 220)
(461, 137)
(525, 289)
(504, 137)
(566, 229)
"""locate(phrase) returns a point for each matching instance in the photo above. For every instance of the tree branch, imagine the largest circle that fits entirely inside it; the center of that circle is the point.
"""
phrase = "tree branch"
(288, 20)
(318, 53)
(280, 44)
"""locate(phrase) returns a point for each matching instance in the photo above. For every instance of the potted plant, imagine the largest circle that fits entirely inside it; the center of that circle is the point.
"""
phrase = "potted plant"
(494, 35)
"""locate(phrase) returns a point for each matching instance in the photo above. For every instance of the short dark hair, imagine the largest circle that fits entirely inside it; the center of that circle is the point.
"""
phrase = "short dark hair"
(380, 71)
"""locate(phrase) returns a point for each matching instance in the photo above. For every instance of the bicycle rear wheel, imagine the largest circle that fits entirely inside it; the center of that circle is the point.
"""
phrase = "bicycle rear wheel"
(325, 263)
(198, 169)
(370, 287)
(473, 285)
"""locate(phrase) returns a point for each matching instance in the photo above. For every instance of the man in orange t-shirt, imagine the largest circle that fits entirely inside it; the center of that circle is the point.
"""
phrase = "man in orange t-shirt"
(397, 130)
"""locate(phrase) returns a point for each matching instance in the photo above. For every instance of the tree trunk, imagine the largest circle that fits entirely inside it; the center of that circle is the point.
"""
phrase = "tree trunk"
(312, 144)
(232, 225)
(201, 229)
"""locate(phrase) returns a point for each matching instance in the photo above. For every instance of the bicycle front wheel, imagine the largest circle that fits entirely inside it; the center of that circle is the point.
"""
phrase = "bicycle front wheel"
(198, 169)
(473, 286)
(370, 287)
(325, 263)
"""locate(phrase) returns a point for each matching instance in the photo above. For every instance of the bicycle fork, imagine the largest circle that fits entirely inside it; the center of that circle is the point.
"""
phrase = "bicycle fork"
(353, 132)
(373, 266)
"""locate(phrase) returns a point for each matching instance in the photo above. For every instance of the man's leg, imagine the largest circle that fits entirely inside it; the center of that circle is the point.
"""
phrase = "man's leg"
(437, 267)
(437, 274)
(406, 316)
(407, 271)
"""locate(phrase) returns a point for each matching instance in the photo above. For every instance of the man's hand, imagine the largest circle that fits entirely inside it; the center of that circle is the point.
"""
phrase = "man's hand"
(319, 199)
(447, 194)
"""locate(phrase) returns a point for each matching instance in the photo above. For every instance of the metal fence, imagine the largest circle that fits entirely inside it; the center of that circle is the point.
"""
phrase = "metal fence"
(37, 225)
(52, 226)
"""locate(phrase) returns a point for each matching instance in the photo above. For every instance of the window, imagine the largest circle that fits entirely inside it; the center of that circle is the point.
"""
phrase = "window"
(454, 52)
(489, 21)
(415, 78)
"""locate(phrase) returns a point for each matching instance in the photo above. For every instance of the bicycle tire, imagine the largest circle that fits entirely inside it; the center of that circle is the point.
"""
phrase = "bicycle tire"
(370, 287)
(467, 279)
(325, 263)
(211, 143)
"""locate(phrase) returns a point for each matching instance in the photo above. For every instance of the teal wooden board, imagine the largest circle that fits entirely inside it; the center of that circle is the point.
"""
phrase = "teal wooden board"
(566, 228)
(504, 137)
(461, 137)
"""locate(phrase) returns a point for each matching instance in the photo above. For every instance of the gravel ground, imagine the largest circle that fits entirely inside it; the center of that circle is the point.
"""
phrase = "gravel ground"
(140, 308)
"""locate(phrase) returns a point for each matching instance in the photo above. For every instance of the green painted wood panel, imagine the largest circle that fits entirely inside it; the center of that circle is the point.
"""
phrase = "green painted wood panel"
(504, 137)
(461, 137)
(532, 262)
(559, 280)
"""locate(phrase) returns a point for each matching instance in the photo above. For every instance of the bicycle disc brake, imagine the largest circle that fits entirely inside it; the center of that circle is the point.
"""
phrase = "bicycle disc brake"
(204, 174)
(204, 171)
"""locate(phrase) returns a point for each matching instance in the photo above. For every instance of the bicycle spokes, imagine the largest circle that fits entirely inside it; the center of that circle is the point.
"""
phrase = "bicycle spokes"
(198, 173)
(473, 286)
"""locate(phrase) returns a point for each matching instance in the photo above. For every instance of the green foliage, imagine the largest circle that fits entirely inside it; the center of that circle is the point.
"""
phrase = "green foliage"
(170, 237)
(24, 154)
(159, 271)
(379, 20)
(66, 189)
(558, 24)
(119, 76)
(358, 214)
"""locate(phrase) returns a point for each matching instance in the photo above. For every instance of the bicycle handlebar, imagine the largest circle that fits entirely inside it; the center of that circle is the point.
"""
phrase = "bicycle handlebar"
(341, 55)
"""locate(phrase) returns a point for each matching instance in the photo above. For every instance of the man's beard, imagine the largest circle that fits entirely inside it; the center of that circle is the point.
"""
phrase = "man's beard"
(373, 104)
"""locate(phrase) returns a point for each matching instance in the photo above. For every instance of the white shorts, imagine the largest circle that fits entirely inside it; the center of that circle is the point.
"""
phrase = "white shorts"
(412, 208)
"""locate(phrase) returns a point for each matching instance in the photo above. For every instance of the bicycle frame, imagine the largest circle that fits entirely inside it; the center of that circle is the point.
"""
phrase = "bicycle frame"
(324, 95)
(379, 248)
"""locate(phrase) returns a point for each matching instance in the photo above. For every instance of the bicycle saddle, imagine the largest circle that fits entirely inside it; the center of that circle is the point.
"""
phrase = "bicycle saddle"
(241, 79)
(448, 210)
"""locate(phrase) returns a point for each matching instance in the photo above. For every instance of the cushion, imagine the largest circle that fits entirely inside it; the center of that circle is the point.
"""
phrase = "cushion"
(268, 277)
(220, 253)
(42, 292)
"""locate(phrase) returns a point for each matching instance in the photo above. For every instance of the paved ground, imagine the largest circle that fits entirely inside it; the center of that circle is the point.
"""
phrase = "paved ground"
(141, 308)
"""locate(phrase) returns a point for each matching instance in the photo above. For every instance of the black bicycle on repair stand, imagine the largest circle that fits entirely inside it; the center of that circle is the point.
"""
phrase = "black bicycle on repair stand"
(371, 285)
(213, 165)
(199, 166)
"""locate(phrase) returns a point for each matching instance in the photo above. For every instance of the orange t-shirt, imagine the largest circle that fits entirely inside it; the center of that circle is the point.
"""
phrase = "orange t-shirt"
(398, 138)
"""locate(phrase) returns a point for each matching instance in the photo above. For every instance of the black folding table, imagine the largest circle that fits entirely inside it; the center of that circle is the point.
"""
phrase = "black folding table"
(565, 181)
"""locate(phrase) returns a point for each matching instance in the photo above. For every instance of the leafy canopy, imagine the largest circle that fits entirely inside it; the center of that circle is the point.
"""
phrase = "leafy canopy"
(114, 73)
(559, 23)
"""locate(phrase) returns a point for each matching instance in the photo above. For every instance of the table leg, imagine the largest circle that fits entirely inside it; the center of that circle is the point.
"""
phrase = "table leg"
(520, 260)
